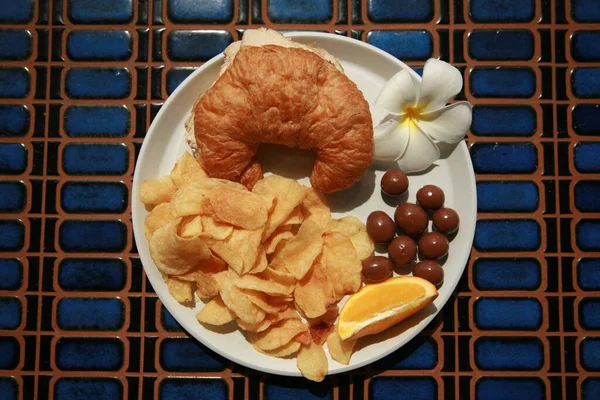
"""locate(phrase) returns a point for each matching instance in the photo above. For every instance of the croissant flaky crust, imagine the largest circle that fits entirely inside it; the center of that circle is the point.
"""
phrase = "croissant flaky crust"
(288, 96)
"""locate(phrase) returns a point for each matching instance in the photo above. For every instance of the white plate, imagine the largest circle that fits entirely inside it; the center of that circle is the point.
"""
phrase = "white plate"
(369, 67)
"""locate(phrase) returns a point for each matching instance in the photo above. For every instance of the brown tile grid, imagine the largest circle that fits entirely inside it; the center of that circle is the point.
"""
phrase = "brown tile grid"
(459, 332)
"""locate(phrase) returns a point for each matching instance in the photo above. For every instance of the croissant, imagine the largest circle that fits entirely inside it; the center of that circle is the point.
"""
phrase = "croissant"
(282, 93)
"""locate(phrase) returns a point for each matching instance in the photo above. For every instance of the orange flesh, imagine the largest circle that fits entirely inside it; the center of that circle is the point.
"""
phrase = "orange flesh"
(371, 302)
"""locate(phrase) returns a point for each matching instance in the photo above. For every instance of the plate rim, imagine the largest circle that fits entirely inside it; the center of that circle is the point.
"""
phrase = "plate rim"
(139, 234)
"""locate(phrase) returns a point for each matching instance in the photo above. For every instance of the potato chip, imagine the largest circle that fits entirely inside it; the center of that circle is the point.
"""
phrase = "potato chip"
(312, 362)
(356, 231)
(320, 332)
(329, 317)
(340, 350)
(236, 300)
(295, 218)
(315, 292)
(156, 191)
(341, 263)
(173, 254)
(253, 282)
(214, 230)
(283, 351)
(240, 208)
(260, 264)
(159, 216)
(281, 234)
(240, 250)
(191, 227)
(304, 338)
(206, 285)
(261, 300)
(281, 277)
(288, 195)
(186, 169)
(211, 265)
(191, 199)
(180, 290)
(215, 313)
(314, 208)
(298, 254)
(277, 335)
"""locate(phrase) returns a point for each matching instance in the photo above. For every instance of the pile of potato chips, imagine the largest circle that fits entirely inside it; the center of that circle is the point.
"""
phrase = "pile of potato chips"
(270, 259)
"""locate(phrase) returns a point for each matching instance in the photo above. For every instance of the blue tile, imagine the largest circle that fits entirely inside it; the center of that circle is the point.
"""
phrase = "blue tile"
(15, 82)
(504, 158)
(12, 235)
(405, 45)
(95, 159)
(15, 44)
(586, 119)
(403, 388)
(189, 355)
(14, 196)
(88, 388)
(177, 75)
(502, 354)
(196, 45)
(488, 388)
(13, 158)
(502, 10)
(193, 11)
(100, 11)
(419, 353)
(16, 11)
(590, 354)
(94, 197)
(9, 352)
(585, 45)
(9, 388)
(589, 313)
(99, 45)
(587, 196)
(507, 235)
(588, 273)
(585, 10)
(86, 314)
(501, 45)
(504, 313)
(294, 11)
(590, 389)
(496, 120)
(92, 235)
(89, 354)
(92, 274)
(507, 196)
(98, 83)
(587, 157)
(502, 82)
(11, 273)
(97, 121)
(391, 11)
(281, 387)
(587, 234)
(10, 313)
(14, 120)
(507, 274)
(168, 321)
(585, 83)
(189, 388)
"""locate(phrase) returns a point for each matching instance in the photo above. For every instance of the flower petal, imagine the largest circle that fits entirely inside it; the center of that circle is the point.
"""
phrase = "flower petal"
(441, 82)
(391, 139)
(420, 153)
(447, 124)
(397, 93)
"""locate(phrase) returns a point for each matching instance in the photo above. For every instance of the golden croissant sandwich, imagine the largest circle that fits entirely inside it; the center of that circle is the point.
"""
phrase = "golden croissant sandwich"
(274, 90)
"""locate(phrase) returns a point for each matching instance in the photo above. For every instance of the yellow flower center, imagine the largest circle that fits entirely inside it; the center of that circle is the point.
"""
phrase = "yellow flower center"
(412, 112)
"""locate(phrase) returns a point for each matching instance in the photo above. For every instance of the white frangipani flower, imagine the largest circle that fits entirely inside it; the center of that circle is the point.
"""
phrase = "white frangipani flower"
(414, 117)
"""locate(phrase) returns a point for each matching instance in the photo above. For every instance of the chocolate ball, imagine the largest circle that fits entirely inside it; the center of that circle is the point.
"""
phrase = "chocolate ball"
(430, 197)
(376, 268)
(411, 219)
(430, 271)
(394, 183)
(380, 227)
(446, 220)
(402, 250)
(433, 245)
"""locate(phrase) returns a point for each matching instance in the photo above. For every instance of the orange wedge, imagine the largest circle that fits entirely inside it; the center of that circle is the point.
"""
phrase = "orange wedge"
(380, 306)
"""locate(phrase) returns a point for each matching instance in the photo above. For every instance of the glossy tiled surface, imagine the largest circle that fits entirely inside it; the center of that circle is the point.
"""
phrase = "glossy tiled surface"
(80, 82)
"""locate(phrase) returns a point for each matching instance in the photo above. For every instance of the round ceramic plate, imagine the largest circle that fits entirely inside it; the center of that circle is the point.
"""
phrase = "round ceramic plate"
(369, 68)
